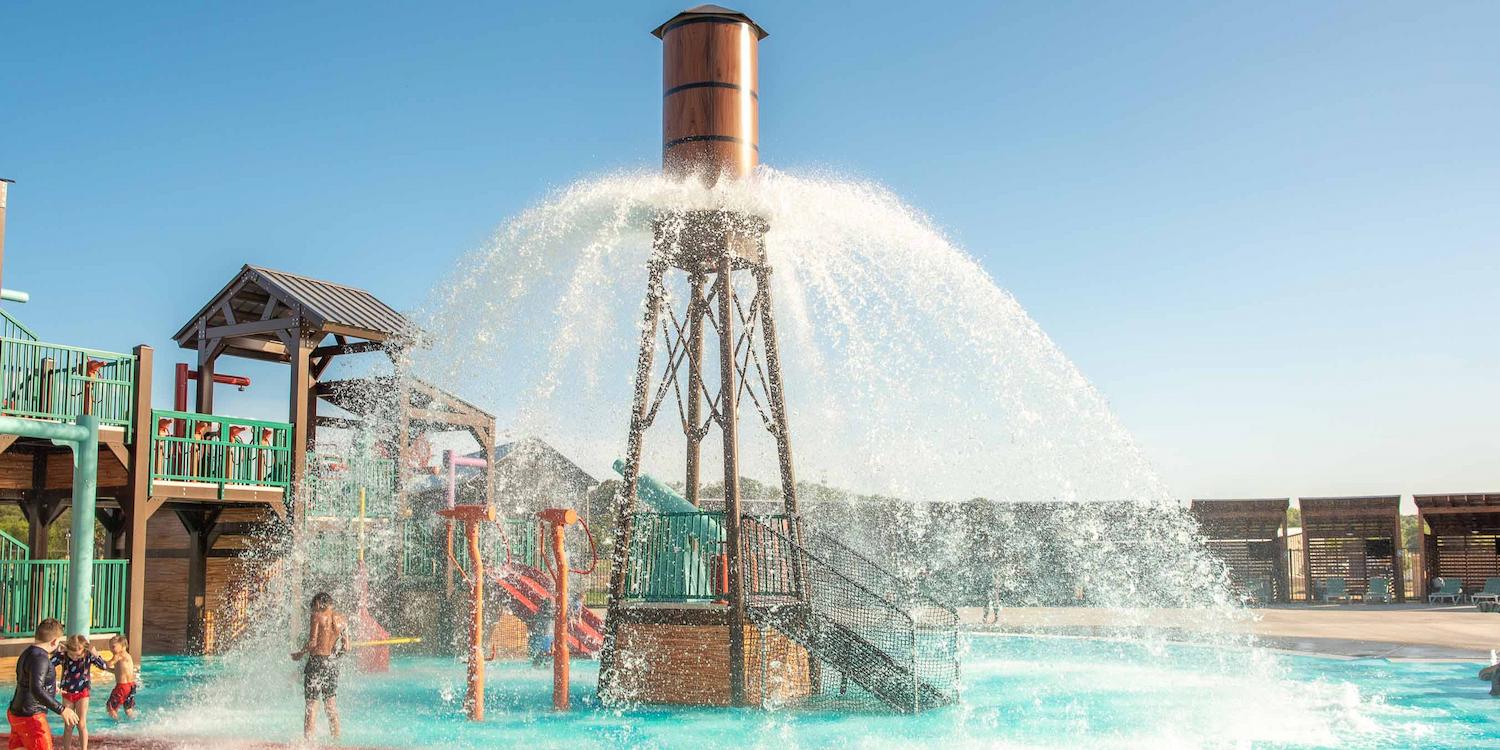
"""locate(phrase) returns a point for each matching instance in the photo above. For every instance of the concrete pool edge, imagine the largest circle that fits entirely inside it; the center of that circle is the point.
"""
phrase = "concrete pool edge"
(1327, 648)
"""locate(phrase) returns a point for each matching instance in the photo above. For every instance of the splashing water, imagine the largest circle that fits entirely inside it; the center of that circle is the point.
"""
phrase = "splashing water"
(914, 383)
(909, 372)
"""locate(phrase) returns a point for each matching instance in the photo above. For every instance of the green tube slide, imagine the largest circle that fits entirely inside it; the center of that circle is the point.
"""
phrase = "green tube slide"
(676, 555)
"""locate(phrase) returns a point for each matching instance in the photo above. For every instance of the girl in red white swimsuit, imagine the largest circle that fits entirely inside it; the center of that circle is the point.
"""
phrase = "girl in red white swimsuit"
(78, 659)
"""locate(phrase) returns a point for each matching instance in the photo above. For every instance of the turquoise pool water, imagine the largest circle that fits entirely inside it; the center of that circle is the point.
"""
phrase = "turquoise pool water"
(1019, 692)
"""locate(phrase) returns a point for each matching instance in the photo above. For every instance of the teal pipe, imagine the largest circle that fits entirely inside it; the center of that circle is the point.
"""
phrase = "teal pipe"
(81, 551)
(82, 438)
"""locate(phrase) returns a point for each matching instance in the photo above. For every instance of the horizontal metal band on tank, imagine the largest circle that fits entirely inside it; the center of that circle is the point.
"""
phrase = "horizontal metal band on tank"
(699, 138)
(708, 85)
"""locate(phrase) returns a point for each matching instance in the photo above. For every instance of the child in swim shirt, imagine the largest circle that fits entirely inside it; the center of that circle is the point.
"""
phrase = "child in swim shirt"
(78, 659)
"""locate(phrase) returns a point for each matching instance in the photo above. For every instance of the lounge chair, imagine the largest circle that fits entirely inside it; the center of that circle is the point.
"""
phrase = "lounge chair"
(1335, 588)
(1260, 591)
(1378, 591)
(1490, 594)
(1452, 590)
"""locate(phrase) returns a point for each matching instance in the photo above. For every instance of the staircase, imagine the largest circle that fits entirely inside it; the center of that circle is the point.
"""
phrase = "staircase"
(859, 622)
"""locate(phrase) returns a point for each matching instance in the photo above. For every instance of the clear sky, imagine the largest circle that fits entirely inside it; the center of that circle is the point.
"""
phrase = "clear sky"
(1269, 232)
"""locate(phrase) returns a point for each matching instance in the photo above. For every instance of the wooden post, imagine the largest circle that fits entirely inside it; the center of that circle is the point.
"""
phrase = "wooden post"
(626, 497)
(475, 698)
(206, 358)
(1397, 548)
(560, 519)
(297, 413)
(472, 516)
(1283, 567)
(202, 533)
(138, 511)
(38, 512)
(1309, 589)
(695, 311)
(1419, 566)
(729, 415)
(775, 393)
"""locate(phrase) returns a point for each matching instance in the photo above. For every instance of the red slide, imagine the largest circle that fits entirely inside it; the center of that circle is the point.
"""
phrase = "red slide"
(527, 588)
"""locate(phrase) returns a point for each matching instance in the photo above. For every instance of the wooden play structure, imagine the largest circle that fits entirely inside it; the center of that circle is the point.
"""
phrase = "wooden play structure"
(1249, 536)
(1460, 539)
(1353, 539)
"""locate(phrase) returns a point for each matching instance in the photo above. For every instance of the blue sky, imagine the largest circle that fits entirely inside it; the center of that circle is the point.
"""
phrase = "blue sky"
(1269, 232)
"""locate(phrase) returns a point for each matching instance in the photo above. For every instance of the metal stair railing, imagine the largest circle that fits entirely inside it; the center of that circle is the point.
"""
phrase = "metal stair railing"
(851, 615)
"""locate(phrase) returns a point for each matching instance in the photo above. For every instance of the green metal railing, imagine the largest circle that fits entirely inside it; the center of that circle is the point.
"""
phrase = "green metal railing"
(33, 590)
(56, 382)
(334, 484)
(223, 451)
(525, 546)
(675, 557)
(12, 548)
(11, 328)
(421, 551)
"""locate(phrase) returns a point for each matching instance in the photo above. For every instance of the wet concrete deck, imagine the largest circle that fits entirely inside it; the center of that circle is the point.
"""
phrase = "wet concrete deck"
(1396, 631)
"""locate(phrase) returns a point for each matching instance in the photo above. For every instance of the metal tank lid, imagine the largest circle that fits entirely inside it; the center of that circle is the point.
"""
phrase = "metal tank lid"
(708, 12)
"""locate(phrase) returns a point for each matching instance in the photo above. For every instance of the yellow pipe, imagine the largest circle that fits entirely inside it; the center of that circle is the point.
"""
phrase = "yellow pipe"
(386, 642)
(361, 526)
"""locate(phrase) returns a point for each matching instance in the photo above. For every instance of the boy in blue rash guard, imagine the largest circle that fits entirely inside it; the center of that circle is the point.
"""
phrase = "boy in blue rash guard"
(36, 692)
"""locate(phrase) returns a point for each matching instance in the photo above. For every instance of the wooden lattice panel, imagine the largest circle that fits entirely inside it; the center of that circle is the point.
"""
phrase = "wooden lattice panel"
(1353, 538)
(1465, 530)
(1249, 536)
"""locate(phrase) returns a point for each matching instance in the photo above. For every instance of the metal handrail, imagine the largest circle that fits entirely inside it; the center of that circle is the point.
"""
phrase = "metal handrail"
(668, 561)
(42, 380)
(191, 447)
(10, 326)
(33, 590)
(12, 548)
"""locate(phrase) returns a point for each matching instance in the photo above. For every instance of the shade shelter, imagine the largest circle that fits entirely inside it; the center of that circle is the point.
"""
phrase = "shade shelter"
(1460, 538)
(1353, 538)
(1250, 537)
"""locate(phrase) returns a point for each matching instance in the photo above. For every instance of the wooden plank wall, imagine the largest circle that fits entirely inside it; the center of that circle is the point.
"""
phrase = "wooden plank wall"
(15, 469)
(167, 604)
(1470, 557)
(60, 470)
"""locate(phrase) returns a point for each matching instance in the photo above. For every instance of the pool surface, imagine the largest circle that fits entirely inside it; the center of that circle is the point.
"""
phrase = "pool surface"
(1021, 692)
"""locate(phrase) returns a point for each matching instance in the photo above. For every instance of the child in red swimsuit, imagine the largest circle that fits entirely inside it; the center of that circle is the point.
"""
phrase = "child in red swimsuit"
(78, 659)
(123, 696)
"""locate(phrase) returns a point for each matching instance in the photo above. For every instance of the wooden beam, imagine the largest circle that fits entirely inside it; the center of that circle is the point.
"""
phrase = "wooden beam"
(447, 418)
(251, 327)
(6, 441)
(343, 423)
(358, 347)
(121, 454)
(300, 396)
(363, 333)
(255, 345)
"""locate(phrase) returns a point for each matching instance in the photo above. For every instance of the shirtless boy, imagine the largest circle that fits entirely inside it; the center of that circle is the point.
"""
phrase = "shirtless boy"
(123, 665)
(327, 638)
